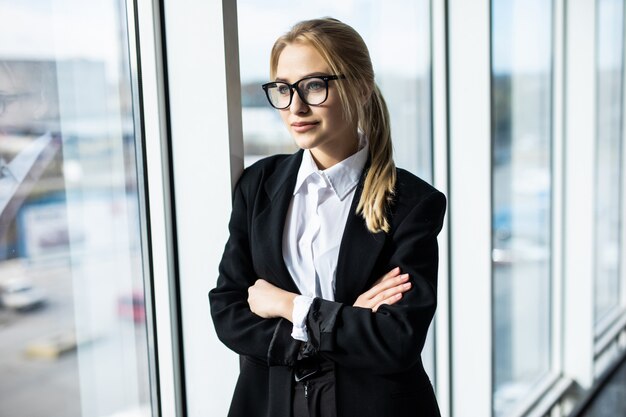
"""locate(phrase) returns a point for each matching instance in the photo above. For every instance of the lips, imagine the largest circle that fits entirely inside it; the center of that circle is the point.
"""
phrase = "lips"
(301, 127)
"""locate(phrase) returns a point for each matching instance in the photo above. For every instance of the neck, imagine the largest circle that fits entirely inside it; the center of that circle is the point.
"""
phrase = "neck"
(326, 157)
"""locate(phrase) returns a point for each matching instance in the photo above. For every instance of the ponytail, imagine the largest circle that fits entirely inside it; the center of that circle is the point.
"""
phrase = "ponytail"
(378, 189)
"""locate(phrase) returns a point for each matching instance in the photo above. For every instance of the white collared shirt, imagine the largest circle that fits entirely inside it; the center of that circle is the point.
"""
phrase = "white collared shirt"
(314, 227)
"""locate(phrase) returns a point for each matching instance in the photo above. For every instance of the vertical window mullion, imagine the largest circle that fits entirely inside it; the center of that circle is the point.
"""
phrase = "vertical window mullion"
(623, 174)
(441, 181)
(470, 206)
(579, 186)
(558, 167)
(153, 98)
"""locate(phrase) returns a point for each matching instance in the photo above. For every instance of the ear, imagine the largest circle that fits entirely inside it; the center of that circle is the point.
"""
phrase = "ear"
(366, 93)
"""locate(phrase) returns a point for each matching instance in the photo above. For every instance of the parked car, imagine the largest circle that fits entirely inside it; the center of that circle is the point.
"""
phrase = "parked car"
(19, 294)
(132, 307)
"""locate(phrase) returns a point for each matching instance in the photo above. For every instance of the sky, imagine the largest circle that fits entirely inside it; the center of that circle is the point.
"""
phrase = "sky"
(61, 29)
(396, 32)
(399, 43)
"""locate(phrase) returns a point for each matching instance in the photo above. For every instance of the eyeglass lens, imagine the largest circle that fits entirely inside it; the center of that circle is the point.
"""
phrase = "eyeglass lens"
(312, 91)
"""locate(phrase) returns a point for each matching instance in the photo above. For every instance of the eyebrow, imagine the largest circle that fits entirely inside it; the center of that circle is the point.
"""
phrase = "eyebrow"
(313, 74)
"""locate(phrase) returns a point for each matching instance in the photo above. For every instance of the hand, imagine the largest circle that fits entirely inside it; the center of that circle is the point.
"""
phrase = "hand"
(387, 289)
(269, 301)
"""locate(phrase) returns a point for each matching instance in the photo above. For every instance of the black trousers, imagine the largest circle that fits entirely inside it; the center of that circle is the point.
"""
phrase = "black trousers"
(315, 395)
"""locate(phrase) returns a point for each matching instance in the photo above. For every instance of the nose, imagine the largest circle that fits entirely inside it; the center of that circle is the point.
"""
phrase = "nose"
(297, 105)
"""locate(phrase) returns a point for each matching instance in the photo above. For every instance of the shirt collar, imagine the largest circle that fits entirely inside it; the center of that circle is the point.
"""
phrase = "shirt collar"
(341, 177)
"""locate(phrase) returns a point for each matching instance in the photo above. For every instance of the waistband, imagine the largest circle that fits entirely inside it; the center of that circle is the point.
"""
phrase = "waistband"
(312, 368)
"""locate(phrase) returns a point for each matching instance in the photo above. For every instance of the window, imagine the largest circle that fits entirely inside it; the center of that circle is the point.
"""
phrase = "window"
(609, 172)
(72, 320)
(522, 197)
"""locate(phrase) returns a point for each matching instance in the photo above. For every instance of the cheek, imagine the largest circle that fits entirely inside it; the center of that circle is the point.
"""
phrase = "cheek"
(333, 119)
(333, 114)
(284, 115)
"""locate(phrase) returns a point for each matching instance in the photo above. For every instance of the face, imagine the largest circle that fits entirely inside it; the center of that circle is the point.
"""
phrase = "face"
(322, 128)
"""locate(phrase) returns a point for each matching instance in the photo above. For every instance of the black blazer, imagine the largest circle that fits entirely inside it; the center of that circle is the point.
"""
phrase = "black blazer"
(377, 355)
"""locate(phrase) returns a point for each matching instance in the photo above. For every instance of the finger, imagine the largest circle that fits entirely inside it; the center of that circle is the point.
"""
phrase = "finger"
(388, 301)
(392, 291)
(389, 283)
(393, 273)
(385, 285)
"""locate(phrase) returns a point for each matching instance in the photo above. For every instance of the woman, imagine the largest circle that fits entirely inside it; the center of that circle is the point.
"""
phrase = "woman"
(297, 295)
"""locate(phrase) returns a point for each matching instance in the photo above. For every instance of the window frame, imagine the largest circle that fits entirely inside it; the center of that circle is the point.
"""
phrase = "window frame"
(441, 172)
(205, 158)
(469, 86)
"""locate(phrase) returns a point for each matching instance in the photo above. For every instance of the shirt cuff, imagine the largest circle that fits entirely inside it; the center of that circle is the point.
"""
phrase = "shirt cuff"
(301, 306)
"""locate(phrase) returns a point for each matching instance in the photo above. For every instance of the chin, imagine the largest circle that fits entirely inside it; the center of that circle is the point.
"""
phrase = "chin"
(305, 142)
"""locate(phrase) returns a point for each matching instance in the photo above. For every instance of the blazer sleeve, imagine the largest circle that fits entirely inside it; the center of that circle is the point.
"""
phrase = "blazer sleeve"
(237, 327)
(390, 340)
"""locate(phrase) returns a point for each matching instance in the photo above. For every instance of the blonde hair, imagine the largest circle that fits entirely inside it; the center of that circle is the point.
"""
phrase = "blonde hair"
(345, 52)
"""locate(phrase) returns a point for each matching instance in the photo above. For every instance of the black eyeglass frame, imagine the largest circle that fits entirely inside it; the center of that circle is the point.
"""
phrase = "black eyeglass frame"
(294, 86)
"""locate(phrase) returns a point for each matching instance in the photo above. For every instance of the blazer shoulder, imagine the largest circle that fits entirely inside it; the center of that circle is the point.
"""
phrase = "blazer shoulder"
(266, 165)
(259, 171)
(415, 197)
(411, 190)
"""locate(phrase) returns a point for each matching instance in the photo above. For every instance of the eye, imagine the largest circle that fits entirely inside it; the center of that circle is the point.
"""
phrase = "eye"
(314, 85)
(282, 89)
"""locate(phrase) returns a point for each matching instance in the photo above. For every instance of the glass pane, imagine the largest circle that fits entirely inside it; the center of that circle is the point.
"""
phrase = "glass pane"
(522, 184)
(72, 321)
(609, 151)
(406, 87)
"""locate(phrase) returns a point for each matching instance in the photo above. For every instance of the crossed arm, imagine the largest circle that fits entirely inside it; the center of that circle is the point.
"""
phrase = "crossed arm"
(253, 317)
(268, 301)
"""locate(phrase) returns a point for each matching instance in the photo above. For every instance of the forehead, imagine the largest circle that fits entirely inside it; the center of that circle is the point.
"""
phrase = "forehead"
(297, 60)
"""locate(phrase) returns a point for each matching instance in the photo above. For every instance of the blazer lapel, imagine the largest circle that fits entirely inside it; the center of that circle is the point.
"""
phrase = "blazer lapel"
(358, 252)
(271, 220)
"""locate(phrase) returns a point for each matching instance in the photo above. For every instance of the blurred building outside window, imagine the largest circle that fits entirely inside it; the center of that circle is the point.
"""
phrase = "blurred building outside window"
(70, 247)
(521, 198)
(609, 164)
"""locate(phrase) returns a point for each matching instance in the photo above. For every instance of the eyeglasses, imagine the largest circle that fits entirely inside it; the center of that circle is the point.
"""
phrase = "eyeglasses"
(312, 90)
